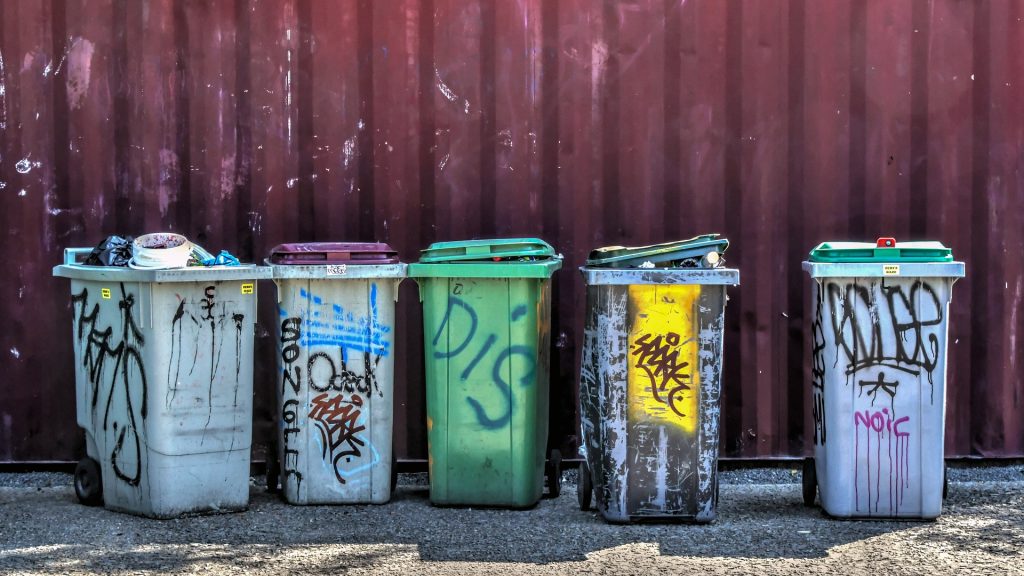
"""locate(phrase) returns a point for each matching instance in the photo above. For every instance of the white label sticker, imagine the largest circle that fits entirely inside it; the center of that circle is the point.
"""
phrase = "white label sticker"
(890, 269)
(336, 269)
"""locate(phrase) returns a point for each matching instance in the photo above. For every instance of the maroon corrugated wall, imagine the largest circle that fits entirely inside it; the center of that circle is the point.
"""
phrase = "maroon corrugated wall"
(247, 123)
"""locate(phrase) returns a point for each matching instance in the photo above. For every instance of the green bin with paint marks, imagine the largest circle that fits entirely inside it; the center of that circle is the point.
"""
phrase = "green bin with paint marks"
(486, 321)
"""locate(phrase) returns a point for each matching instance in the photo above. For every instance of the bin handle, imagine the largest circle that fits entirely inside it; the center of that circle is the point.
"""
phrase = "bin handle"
(71, 255)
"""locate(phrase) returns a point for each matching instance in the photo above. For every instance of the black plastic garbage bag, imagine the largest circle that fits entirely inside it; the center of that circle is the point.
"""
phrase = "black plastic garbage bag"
(113, 251)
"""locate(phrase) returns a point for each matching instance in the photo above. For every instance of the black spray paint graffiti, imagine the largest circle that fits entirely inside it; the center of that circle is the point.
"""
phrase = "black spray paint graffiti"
(661, 364)
(325, 375)
(894, 333)
(455, 354)
(99, 346)
(873, 387)
(210, 316)
(337, 420)
(818, 371)
(291, 332)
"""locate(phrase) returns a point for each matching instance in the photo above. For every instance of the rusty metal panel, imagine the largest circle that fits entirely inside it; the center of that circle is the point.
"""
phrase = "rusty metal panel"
(246, 123)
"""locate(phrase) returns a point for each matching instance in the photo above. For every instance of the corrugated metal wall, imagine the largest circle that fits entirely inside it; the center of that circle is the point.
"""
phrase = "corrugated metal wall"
(779, 124)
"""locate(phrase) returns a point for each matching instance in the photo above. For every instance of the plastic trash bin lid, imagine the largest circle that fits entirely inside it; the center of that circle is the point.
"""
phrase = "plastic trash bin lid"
(884, 250)
(498, 250)
(352, 253)
(664, 254)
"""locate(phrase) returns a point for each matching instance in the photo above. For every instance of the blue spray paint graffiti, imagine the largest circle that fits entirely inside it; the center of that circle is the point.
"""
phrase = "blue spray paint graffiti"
(329, 324)
(455, 351)
(329, 334)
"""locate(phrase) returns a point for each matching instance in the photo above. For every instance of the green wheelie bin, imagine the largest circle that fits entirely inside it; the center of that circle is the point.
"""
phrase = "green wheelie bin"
(486, 321)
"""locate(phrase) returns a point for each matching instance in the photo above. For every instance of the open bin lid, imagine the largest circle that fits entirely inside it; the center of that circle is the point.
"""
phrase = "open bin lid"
(885, 257)
(694, 261)
(350, 253)
(689, 253)
(502, 258)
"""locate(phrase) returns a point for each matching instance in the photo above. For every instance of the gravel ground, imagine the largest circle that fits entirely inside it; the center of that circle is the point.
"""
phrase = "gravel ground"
(762, 528)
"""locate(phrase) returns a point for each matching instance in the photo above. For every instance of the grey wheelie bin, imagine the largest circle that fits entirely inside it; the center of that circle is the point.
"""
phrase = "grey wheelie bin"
(163, 379)
(336, 357)
(878, 377)
(650, 380)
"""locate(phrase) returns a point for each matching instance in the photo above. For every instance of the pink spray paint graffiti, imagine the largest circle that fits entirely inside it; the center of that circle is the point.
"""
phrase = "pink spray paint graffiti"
(886, 429)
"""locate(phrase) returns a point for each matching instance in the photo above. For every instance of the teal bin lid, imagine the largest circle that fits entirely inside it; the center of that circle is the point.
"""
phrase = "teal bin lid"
(500, 258)
(690, 253)
(883, 250)
(498, 250)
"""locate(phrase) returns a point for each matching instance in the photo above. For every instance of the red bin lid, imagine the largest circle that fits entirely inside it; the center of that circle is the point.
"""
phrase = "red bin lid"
(313, 253)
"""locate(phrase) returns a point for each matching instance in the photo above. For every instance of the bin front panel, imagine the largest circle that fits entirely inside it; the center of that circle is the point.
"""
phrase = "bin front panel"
(878, 394)
(650, 388)
(336, 389)
(486, 389)
(164, 381)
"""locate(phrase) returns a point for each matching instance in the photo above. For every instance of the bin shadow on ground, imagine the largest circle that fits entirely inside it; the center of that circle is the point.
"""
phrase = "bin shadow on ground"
(48, 531)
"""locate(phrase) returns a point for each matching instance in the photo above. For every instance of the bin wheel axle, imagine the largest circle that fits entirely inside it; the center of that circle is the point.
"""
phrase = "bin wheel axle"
(89, 482)
(810, 482)
(945, 480)
(553, 473)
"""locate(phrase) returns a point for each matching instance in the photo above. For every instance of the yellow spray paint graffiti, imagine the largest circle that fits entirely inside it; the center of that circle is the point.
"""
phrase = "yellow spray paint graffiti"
(663, 379)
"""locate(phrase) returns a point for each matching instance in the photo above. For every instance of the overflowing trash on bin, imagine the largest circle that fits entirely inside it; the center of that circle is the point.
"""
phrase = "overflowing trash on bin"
(650, 380)
(878, 377)
(163, 378)
(335, 399)
(486, 322)
(156, 251)
(112, 251)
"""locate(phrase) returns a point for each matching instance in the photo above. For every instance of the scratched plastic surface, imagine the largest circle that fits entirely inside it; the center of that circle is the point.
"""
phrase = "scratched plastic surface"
(336, 384)
(164, 391)
(486, 343)
(878, 390)
(650, 383)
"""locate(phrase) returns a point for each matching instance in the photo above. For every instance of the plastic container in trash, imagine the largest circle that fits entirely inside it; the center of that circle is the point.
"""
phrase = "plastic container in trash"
(336, 356)
(650, 380)
(486, 319)
(163, 381)
(878, 389)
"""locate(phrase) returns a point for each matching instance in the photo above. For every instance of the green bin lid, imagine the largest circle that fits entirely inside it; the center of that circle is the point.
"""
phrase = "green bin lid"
(661, 255)
(883, 250)
(497, 250)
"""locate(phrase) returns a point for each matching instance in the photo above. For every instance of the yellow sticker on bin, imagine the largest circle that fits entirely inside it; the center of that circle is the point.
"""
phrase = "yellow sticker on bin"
(105, 293)
(663, 377)
(247, 288)
(890, 269)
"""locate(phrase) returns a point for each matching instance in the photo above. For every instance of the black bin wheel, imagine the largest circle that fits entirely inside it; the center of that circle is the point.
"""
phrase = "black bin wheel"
(810, 481)
(585, 487)
(89, 482)
(553, 473)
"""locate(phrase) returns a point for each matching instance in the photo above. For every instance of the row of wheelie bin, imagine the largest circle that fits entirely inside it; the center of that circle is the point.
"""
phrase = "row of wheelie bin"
(164, 366)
